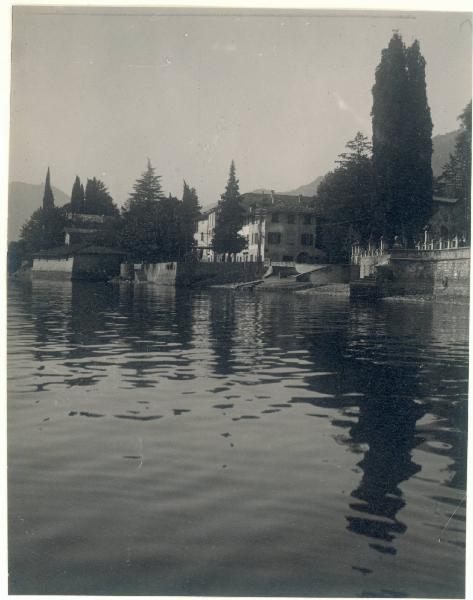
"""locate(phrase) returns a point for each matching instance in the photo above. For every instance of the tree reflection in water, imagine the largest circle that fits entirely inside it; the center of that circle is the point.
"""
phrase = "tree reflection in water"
(387, 424)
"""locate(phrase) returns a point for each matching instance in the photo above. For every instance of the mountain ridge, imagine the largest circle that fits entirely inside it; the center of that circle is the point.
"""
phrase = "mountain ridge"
(23, 200)
(442, 144)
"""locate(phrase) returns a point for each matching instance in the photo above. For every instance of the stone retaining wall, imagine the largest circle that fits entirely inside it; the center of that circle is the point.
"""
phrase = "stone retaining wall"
(433, 273)
(198, 273)
(52, 268)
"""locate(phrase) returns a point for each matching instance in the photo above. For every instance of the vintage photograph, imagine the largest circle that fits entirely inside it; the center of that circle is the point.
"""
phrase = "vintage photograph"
(238, 302)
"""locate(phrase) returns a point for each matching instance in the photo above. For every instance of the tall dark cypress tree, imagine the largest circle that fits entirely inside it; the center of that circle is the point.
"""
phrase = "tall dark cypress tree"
(97, 199)
(48, 197)
(190, 211)
(402, 141)
(229, 218)
(77, 196)
(418, 203)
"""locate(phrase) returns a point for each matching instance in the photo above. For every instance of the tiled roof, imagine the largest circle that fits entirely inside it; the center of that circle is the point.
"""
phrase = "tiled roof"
(276, 202)
(272, 203)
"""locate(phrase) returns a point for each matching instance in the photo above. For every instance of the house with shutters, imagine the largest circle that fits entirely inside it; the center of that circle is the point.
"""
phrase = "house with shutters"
(277, 228)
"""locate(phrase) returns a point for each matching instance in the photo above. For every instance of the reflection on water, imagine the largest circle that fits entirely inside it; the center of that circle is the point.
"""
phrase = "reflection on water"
(167, 441)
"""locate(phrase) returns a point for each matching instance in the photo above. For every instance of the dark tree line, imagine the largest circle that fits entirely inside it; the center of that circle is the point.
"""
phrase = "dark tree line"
(384, 188)
(94, 200)
(45, 228)
(150, 227)
(156, 227)
(346, 200)
(455, 180)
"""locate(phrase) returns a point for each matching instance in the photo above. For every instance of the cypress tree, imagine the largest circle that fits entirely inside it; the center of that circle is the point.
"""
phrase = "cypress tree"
(418, 203)
(97, 199)
(402, 141)
(389, 112)
(48, 197)
(77, 196)
(229, 218)
(190, 211)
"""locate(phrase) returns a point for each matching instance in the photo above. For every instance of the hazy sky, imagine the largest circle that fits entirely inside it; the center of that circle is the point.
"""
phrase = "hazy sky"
(97, 91)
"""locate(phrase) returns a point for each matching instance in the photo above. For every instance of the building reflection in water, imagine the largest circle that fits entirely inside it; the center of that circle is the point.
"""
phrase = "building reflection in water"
(222, 321)
(158, 326)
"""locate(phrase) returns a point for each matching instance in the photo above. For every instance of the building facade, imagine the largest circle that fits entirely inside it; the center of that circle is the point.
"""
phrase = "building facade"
(277, 228)
(83, 228)
(204, 233)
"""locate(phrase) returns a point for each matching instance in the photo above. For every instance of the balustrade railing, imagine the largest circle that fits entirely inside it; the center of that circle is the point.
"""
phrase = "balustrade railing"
(428, 245)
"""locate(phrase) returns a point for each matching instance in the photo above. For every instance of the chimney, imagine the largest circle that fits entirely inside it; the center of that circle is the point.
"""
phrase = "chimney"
(272, 196)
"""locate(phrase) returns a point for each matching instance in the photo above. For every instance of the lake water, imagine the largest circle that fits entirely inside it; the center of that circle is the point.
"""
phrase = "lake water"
(174, 442)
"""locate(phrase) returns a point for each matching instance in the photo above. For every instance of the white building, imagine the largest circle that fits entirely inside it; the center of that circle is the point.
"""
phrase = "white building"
(277, 228)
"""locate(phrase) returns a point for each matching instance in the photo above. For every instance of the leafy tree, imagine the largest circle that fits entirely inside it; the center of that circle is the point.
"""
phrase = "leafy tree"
(77, 196)
(97, 199)
(170, 228)
(109, 234)
(48, 197)
(190, 211)
(455, 180)
(43, 230)
(402, 141)
(229, 218)
(345, 200)
(141, 234)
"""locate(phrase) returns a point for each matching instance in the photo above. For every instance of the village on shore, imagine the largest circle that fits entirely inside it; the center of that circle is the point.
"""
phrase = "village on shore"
(380, 224)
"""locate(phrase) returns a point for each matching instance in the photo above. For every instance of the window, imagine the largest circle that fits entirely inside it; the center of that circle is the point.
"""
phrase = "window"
(291, 219)
(201, 237)
(307, 239)
(307, 219)
(274, 238)
(275, 218)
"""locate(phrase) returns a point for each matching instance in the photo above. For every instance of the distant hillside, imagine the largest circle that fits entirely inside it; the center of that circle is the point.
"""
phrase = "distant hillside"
(444, 145)
(23, 200)
(309, 189)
